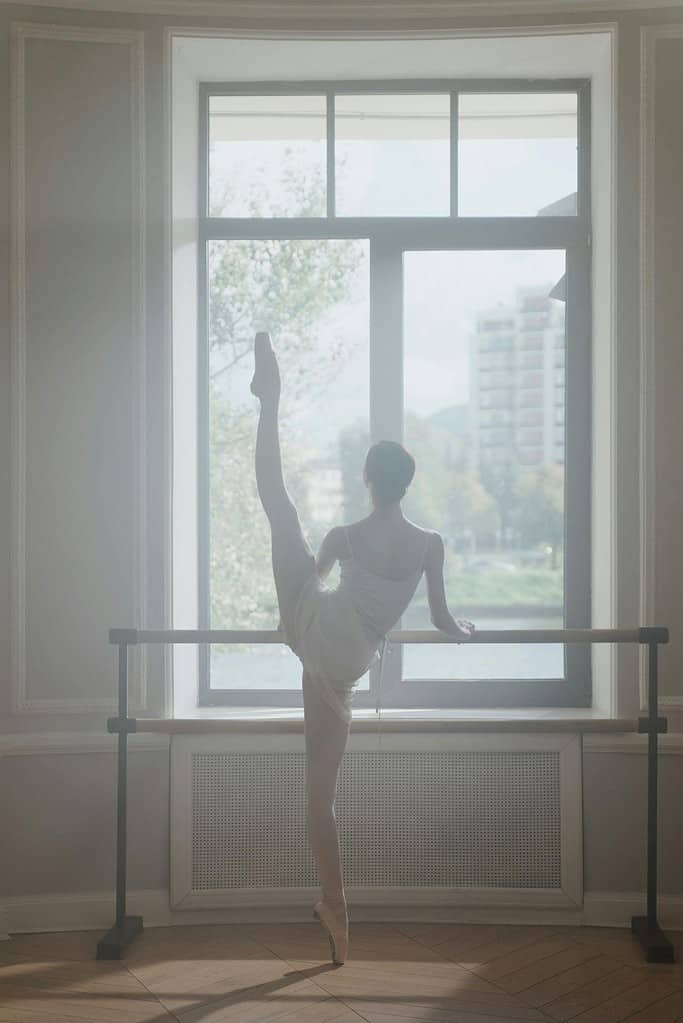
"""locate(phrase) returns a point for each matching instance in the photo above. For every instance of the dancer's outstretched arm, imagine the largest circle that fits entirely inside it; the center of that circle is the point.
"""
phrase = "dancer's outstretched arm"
(440, 615)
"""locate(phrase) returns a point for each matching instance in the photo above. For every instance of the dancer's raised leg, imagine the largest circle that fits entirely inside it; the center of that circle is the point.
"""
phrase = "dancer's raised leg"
(293, 560)
(293, 564)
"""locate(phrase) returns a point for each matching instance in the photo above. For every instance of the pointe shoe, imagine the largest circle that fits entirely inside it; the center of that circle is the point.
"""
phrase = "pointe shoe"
(266, 379)
(337, 933)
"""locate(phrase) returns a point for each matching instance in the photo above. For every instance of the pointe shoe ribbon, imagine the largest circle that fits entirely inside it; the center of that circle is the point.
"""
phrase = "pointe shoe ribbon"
(337, 931)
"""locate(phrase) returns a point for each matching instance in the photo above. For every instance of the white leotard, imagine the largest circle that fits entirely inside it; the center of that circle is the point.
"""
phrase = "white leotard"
(378, 601)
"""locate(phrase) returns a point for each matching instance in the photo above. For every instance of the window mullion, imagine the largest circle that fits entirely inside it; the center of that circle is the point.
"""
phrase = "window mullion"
(386, 377)
(577, 465)
(203, 468)
(583, 181)
(386, 341)
(330, 170)
(454, 154)
(203, 155)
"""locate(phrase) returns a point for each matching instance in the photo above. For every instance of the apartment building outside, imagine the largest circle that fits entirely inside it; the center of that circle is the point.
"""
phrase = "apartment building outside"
(517, 392)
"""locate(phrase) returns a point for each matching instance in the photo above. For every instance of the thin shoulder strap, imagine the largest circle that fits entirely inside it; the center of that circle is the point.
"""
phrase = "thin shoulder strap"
(348, 541)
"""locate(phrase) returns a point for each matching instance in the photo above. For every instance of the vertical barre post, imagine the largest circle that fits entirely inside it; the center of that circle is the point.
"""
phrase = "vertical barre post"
(658, 948)
(122, 790)
(115, 941)
(652, 782)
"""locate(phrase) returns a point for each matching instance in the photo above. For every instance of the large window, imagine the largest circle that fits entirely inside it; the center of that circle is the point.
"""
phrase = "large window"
(421, 253)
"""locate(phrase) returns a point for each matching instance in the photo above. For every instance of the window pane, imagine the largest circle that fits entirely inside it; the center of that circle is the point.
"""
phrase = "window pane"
(267, 156)
(392, 156)
(313, 296)
(517, 154)
(482, 405)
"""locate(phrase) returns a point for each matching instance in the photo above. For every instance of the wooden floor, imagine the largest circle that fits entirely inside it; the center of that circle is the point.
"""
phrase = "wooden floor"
(399, 973)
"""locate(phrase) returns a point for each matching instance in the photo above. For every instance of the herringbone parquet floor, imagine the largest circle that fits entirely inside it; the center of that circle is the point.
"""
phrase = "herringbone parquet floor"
(398, 973)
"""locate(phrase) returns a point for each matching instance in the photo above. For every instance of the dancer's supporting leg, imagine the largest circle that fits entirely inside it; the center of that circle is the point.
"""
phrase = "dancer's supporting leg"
(293, 564)
(293, 560)
(326, 738)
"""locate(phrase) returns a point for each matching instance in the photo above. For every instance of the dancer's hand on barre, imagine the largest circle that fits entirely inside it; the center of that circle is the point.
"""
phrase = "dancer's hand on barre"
(442, 619)
(460, 628)
(465, 626)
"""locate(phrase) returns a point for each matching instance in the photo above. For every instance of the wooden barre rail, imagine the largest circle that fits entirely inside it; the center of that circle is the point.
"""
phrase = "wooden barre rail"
(468, 726)
(653, 634)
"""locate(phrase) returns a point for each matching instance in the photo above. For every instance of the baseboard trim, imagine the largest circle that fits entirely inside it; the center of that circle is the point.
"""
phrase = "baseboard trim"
(42, 913)
(28, 914)
(95, 911)
(615, 909)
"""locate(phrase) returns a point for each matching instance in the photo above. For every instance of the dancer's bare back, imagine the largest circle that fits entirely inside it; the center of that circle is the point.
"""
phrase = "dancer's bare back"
(393, 547)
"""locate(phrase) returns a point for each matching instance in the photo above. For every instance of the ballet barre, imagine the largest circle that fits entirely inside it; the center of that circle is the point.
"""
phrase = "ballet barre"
(656, 946)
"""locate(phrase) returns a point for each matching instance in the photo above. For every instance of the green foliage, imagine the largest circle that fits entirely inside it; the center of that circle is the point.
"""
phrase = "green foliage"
(242, 590)
(283, 286)
(528, 587)
(353, 446)
(288, 287)
(446, 493)
(500, 481)
(538, 513)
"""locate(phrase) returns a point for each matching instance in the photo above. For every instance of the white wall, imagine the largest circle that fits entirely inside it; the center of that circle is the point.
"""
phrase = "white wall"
(92, 535)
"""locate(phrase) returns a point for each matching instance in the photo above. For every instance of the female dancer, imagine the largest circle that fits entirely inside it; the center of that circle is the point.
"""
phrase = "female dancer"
(337, 633)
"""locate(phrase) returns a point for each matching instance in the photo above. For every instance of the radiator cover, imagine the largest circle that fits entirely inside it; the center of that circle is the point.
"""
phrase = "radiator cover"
(493, 820)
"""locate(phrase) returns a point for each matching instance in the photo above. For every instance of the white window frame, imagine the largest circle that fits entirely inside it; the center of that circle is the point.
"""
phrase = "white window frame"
(389, 239)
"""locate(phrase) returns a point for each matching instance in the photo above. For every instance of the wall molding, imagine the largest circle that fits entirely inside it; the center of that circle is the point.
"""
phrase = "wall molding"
(22, 703)
(22, 744)
(258, 11)
(669, 744)
(49, 743)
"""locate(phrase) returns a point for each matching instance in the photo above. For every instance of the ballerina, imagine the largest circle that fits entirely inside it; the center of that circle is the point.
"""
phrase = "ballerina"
(338, 633)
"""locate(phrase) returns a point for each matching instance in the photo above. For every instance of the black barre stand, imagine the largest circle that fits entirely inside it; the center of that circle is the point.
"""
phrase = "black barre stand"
(126, 928)
(657, 947)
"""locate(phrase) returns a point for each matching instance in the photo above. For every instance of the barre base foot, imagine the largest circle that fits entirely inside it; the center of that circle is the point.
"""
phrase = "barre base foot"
(656, 945)
(113, 945)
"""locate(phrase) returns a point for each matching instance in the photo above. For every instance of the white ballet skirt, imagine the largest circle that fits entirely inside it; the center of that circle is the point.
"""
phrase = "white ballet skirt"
(338, 633)
(331, 643)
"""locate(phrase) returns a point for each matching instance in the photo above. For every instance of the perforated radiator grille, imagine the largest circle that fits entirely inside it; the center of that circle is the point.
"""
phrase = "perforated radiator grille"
(473, 819)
